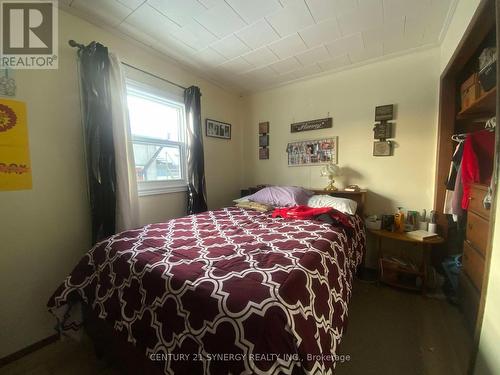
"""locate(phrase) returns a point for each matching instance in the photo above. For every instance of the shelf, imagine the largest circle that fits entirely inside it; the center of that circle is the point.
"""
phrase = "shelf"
(484, 106)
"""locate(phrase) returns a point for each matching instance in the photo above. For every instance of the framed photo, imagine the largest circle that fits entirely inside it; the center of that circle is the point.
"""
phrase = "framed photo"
(384, 112)
(263, 127)
(314, 152)
(217, 129)
(382, 148)
(263, 140)
(263, 153)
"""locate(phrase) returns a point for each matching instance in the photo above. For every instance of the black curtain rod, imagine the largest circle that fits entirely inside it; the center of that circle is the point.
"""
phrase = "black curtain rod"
(74, 44)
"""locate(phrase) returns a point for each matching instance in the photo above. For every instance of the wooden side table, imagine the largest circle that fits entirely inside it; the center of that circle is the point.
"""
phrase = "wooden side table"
(426, 251)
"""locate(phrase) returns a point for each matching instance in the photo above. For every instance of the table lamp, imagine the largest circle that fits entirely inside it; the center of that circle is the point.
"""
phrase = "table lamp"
(331, 171)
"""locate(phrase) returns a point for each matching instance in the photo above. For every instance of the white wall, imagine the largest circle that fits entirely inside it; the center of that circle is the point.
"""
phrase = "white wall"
(44, 231)
(407, 178)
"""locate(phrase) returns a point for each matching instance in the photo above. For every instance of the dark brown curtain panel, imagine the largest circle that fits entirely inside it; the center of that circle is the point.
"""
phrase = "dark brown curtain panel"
(196, 195)
(100, 154)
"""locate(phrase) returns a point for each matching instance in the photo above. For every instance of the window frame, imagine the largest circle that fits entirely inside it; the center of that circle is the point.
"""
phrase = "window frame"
(153, 93)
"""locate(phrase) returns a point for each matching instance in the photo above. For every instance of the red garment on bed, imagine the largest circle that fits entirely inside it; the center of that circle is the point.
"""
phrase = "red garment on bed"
(300, 212)
(308, 213)
(477, 161)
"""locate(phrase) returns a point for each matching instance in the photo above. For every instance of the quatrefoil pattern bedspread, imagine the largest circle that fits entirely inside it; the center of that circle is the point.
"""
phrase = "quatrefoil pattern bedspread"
(235, 291)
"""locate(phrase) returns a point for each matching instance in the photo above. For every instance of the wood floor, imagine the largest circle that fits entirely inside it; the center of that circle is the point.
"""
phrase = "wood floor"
(389, 332)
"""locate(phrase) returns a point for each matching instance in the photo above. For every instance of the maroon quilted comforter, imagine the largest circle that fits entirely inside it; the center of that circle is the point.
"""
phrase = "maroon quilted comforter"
(228, 291)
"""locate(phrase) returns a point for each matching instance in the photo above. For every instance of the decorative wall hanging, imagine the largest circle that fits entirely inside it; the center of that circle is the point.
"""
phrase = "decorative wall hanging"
(323, 123)
(264, 140)
(7, 83)
(314, 152)
(217, 129)
(383, 130)
(15, 165)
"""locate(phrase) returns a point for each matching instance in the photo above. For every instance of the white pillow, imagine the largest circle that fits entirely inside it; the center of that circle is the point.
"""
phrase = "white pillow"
(347, 206)
(242, 199)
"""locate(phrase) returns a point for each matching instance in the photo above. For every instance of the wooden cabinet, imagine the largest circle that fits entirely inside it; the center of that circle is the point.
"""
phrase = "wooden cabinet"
(473, 265)
(477, 231)
(475, 252)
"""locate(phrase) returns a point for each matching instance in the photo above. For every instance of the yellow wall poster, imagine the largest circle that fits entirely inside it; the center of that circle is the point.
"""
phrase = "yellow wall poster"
(15, 165)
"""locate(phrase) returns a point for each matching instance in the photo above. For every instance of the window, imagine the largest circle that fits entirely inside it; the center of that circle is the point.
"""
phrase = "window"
(157, 127)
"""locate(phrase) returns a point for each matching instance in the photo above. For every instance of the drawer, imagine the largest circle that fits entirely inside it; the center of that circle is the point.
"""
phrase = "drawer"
(477, 232)
(468, 300)
(473, 265)
(477, 194)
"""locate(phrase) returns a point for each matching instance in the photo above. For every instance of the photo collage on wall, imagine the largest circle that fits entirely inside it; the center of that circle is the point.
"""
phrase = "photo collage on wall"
(318, 151)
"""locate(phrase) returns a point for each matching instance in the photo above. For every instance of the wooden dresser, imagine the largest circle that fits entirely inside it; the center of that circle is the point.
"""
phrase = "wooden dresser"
(473, 261)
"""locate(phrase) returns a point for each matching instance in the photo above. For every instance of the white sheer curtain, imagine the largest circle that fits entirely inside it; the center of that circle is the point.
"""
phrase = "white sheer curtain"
(127, 202)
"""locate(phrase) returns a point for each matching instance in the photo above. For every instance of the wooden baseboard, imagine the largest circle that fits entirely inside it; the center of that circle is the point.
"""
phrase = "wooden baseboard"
(28, 350)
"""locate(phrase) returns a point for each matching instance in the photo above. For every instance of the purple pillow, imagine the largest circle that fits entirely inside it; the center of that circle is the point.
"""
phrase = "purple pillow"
(281, 196)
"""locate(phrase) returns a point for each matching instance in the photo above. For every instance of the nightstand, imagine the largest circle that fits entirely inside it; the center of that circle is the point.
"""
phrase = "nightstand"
(394, 274)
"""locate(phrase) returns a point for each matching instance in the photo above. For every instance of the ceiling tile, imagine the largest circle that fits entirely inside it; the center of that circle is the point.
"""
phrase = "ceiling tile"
(414, 31)
(289, 46)
(195, 35)
(307, 71)
(179, 11)
(285, 66)
(132, 4)
(230, 47)
(173, 48)
(221, 20)
(238, 65)
(395, 45)
(253, 10)
(260, 74)
(389, 30)
(345, 45)
(349, 31)
(152, 22)
(260, 57)
(335, 63)
(110, 11)
(293, 17)
(324, 9)
(370, 52)
(211, 3)
(436, 19)
(210, 57)
(368, 15)
(400, 8)
(313, 56)
(258, 34)
(322, 32)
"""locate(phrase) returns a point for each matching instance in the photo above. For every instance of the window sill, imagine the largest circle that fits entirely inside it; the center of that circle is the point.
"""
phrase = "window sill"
(142, 192)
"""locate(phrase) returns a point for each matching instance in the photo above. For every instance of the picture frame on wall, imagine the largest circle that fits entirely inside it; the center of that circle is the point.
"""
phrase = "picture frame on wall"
(264, 127)
(263, 153)
(313, 152)
(263, 140)
(217, 129)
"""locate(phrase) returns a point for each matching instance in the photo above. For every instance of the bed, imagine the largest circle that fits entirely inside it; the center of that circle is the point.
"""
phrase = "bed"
(231, 291)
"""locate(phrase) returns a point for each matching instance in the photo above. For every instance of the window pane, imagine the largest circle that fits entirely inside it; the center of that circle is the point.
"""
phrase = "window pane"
(153, 119)
(156, 163)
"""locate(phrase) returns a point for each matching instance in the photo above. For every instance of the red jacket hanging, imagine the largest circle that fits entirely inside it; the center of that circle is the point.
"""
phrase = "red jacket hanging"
(477, 161)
